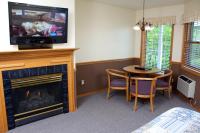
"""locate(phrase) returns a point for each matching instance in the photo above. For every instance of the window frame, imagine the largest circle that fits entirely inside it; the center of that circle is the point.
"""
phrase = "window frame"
(185, 46)
(142, 49)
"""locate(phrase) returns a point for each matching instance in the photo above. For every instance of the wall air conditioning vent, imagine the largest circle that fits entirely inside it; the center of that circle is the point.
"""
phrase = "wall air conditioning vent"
(186, 86)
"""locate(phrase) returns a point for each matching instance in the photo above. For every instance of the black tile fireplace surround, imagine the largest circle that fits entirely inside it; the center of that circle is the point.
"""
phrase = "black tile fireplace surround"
(35, 93)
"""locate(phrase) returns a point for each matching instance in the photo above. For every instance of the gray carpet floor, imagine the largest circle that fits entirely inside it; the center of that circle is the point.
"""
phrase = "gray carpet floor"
(96, 114)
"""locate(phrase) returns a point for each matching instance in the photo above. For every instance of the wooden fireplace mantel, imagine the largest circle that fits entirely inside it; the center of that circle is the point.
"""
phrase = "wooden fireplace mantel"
(36, 58)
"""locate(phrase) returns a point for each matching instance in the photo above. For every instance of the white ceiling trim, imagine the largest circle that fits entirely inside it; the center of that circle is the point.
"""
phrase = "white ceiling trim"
(137, 4)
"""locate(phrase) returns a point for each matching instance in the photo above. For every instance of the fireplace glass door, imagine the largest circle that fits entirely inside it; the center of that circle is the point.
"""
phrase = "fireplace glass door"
(35, 96)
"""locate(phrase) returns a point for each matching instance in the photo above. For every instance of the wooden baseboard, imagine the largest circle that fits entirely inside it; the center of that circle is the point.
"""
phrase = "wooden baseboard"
(88, 93)
(189, 101)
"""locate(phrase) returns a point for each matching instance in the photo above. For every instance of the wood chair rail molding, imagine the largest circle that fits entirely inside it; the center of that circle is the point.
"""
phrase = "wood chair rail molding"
(106, 61)
(36, 58)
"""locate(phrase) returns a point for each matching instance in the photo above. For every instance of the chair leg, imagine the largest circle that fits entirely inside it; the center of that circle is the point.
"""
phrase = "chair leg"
(130, 96)
(135, 105)
(127, 95)
(151, 104)
(169, 92)
(108, 93)
(163, 91)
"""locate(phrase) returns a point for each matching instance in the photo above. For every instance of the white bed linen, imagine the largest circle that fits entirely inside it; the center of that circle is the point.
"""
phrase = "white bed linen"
(175, 120)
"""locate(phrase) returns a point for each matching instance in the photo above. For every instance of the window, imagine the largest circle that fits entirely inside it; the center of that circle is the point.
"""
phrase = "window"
(192, 46)
(157, 47)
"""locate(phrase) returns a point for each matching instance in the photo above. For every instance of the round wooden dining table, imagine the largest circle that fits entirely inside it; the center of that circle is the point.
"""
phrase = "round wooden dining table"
(133, 70)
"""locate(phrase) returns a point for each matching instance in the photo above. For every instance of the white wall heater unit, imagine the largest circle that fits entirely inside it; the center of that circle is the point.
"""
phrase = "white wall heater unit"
(186, 86)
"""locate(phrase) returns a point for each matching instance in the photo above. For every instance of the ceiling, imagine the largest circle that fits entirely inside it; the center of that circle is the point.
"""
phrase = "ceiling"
(137, 4)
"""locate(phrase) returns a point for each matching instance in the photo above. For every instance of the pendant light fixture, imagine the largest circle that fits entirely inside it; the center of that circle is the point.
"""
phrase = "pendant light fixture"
(143, 25)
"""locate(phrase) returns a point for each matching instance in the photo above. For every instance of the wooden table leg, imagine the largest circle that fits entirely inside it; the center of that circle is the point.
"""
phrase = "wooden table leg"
(129, 86)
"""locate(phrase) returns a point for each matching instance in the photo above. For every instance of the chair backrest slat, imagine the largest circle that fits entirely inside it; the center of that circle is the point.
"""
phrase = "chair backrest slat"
(167, 75)
(140, 81)
(118, 73)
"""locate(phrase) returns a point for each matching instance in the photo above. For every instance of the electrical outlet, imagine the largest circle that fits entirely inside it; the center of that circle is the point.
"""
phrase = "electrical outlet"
(82, 82)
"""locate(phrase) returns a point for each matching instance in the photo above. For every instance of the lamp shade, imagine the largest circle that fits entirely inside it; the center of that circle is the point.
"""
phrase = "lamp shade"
(136, 27)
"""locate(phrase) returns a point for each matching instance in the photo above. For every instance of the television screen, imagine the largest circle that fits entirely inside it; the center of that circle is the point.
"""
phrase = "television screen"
(31, 24)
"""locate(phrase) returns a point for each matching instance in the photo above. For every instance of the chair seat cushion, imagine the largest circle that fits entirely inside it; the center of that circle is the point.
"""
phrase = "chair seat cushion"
(161, 83)
(118, 83)
(144, 87)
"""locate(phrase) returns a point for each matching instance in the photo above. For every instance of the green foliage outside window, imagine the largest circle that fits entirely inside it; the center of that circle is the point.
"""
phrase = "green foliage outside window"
(152, 47)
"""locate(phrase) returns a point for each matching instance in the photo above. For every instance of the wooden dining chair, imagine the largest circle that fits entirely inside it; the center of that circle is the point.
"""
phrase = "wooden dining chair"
(117, 80)
(163, 82)
(143, 88)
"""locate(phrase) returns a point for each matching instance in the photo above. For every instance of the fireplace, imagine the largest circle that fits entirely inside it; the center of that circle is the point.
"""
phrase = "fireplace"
(35, 93)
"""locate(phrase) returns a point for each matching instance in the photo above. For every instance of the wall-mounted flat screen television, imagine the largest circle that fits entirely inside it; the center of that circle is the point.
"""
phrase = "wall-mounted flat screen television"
(32, 24)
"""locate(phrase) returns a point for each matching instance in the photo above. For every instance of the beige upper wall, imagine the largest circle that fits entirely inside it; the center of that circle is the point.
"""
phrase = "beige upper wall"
(192, 7)
(177, 11)
(103, 31)
(4, 34)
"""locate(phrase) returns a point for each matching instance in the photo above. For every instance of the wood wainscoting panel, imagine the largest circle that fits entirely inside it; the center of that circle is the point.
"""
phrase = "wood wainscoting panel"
(179, 70)
(197, 89)
(176, 68)
(36, 58)
(94, 74)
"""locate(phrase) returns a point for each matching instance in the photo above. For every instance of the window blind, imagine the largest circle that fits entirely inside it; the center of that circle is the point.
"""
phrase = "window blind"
(192, 45)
